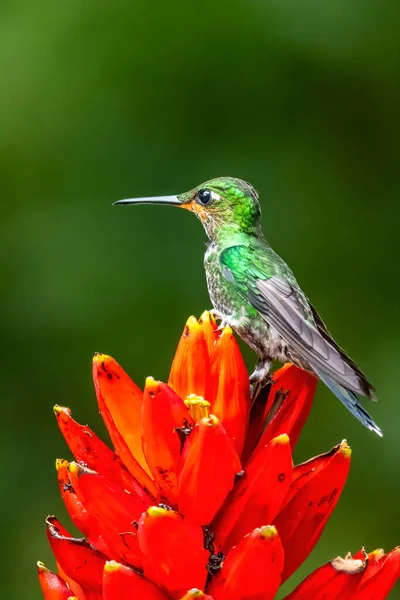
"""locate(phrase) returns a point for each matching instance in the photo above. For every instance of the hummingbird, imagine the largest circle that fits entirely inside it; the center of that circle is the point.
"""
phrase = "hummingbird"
(254, 291)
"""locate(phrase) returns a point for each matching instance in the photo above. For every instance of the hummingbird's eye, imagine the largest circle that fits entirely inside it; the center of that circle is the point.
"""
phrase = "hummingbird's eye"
(204, 197)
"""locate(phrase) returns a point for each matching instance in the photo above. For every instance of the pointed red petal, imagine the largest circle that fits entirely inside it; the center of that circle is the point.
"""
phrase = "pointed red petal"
(289, 404)
(337, 579)
(210, 330)
(76, 590)
(209, 466)
(78, 558)
(84, 521)
(301, 522)
(380, 576)
(163, 414)
(302, 472)
(190, 370)
(196, 594)
(53, 587)
(90, 450)
(253, 569)
(122, 583)
(230, 396)
(174, 555)
(114, 509)
(258, 495)
(120, 404)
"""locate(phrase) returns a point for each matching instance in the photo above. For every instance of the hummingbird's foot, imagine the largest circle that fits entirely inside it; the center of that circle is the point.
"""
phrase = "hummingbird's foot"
(225, 319)
(217, 314)
(260, 373)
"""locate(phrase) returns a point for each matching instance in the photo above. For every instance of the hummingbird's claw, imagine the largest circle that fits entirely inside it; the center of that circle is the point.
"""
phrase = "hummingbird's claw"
(220, 316)
(217, 314)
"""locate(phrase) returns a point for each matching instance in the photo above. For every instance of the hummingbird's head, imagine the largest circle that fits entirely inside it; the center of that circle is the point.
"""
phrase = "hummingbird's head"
(223, 205)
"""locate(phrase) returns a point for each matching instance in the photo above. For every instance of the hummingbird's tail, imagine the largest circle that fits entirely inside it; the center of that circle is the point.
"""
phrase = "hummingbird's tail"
(350, 401)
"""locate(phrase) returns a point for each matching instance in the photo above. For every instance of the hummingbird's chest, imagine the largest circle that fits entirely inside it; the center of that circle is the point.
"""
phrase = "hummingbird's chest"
(222, 294)
(242, 317)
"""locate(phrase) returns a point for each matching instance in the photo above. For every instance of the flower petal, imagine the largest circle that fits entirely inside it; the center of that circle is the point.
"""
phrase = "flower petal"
(258, 495)
(173, 551)
(164, 413)
(301, 522)
(209, 466)
(380, 576)
(337, 579)
(88, 448)
(84, 521)
(78, 593)
(120, 404)
(289, 403)
(230, 396)
(190, 370)
(303, 471)
(210, 330)
(122, 583)
(53, 586)
(253, 569)
(80, 561)
(196, 595)
(114, 509)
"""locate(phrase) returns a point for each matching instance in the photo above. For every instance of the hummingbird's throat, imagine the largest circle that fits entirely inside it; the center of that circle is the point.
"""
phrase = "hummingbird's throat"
(204, 215)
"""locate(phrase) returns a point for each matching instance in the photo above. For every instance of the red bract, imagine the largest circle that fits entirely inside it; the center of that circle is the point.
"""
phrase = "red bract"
(204, 484)
(53, 586)
(260, 554)
(337, 579)
(199, 498)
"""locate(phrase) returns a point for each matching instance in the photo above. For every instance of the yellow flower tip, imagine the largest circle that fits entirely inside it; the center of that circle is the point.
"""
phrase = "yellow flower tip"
(156, 512)
(152, 385)
(194, 593)
(207, 317)
(60, 463)
(112, 565)
(192, 326)
(378, 553)
(281, 439)
(98, 357)
(41, 567)
(74, 468)
(72, 598)
(197, 406)
(226, 332)
(79, 470)
(61, 409)
(345, 449)
(268, 532)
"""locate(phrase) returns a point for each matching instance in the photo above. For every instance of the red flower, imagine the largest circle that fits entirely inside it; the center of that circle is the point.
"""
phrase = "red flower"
(199, 498)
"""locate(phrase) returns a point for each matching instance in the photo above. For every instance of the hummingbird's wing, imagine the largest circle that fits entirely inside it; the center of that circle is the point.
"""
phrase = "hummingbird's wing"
(286, 309)
(369, 390)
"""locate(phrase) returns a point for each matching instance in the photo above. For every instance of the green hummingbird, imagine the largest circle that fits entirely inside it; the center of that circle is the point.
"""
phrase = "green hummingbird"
(254, 291)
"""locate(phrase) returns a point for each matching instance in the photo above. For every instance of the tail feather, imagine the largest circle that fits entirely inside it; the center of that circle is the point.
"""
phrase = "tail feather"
(350, 400)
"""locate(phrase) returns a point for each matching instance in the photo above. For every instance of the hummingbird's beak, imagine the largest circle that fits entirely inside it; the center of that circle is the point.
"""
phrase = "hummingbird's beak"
(174, 200)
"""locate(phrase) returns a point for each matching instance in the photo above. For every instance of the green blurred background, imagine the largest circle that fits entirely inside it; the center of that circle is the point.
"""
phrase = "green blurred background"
(104, 100)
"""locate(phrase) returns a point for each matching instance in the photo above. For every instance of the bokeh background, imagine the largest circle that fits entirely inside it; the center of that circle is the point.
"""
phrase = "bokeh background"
(104, 100)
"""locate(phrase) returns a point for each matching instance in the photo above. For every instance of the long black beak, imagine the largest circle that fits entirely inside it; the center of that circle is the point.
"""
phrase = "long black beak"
(174, 200)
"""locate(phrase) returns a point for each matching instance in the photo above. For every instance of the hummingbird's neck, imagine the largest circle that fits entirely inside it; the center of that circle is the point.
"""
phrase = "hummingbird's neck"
(233, 235)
